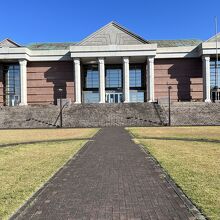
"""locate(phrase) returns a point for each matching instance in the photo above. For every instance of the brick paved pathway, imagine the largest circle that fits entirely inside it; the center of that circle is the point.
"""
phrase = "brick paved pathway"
(112, 178)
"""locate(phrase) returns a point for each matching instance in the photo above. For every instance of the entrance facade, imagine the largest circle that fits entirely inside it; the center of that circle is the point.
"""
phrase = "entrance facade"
(114, 82)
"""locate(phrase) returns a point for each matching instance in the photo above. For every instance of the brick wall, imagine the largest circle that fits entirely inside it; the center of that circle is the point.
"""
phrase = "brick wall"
(184, 75)
(45, 78)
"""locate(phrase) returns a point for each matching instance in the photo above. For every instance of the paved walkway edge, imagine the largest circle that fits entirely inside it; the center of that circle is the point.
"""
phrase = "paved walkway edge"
(32, 198)
(187, 201)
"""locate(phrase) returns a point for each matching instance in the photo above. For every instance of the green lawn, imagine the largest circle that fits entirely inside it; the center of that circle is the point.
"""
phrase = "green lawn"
(194, 166)
(209, 133)
(26, 167)
(28, 135)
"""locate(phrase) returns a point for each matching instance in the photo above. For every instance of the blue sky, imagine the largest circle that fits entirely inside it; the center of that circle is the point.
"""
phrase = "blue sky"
(28, 21)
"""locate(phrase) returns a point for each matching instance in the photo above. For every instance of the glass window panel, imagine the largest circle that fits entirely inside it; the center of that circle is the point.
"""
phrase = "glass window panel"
(91, 97)
(136, 96)
(114, 78)
(135, 74)
(12, 84)
(214, 81)
(92, 78)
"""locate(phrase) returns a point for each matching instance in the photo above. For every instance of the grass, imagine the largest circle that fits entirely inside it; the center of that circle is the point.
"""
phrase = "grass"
(209, 133)
(28, 135)
(24, 168)
(194, 166)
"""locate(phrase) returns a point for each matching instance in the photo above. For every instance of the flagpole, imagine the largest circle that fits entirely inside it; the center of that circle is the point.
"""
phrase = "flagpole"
(216, 42)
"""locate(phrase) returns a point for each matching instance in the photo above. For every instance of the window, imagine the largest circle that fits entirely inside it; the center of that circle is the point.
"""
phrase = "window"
(91, 97)
(214, 81)
(113, 78)
(12, 84)
(135, 76)
(136, 96)
(92, 78)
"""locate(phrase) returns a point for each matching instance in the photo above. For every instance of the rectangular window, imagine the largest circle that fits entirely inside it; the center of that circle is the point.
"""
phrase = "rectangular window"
(136, 96)
(214, 81)
(135, 74)
(91, 97)
(12, 92)
(92, 78)
(113, 78)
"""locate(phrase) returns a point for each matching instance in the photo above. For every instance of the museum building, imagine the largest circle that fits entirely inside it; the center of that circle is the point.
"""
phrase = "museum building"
(112, 65)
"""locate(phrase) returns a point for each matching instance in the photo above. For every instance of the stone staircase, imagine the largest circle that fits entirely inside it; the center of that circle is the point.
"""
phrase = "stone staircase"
(122, 114)
(104, 115)
(83, 115)
(194, 113)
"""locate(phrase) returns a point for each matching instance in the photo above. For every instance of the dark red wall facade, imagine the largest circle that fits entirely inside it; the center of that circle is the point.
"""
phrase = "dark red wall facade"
(45, 78)
(184, 75)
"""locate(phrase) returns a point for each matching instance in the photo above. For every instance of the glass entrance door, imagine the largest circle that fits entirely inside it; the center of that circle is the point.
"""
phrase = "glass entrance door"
(114, 97)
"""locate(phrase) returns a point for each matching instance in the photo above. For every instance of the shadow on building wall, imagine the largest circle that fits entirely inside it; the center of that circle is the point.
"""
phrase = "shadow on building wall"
(60, 74)
(184, 71)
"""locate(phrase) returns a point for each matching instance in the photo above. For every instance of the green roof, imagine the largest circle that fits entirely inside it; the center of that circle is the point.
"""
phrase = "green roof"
(175, 43)
(160, 43)
(50, 46)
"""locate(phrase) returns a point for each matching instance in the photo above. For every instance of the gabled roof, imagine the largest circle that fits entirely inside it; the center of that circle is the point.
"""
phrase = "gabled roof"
(175, 43)
(112, 34)
(8, 43)
(213, 38)
(50, 46)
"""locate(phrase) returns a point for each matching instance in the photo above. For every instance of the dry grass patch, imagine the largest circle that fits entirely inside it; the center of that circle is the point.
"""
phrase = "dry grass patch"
(194, 166)
(28, 135)
(197, 132)
(25, 168)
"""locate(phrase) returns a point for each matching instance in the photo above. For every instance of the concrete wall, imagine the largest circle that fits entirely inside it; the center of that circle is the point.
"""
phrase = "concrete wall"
(45, 78)
(184, 75)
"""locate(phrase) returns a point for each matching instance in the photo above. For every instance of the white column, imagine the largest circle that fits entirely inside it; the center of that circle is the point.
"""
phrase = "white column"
(101, 62)
(23, 81)
(206, 78)
(126, 84)
(77, 80)
(150, 79)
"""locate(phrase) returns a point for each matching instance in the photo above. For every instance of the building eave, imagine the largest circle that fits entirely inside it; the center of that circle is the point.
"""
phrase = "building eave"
(208, 48)
(177, 52)
(113, 50)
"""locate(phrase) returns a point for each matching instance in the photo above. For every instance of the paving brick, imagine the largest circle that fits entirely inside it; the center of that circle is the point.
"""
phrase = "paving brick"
(111, 178)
